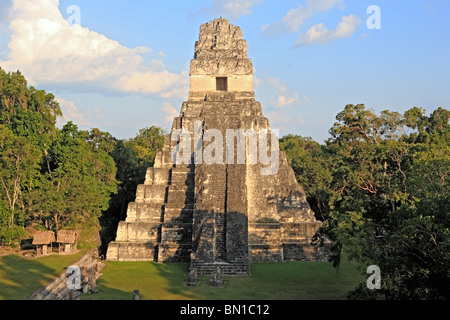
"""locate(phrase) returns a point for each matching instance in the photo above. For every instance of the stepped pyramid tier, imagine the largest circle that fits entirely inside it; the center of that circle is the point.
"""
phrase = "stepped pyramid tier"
(220, 193)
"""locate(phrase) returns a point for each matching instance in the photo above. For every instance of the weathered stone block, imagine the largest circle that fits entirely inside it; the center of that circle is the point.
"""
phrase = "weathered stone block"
(131, 251)
(158, 176)
(266, 252)
(142, 231)
(144, 212)
(305, 252)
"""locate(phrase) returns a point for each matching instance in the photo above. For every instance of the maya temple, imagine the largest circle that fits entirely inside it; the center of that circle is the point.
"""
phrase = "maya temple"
(219, 213)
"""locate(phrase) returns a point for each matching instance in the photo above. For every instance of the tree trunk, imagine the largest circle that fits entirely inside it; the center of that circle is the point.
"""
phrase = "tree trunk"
(55, 217)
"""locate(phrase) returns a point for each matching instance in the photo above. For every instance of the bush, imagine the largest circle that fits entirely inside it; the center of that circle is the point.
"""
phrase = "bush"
(11, 235)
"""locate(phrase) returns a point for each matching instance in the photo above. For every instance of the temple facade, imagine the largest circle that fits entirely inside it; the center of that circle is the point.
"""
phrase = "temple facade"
(212, 203)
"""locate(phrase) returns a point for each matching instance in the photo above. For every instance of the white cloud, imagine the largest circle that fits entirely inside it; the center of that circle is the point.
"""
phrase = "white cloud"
(257, 82)
(294, 18)
(284, 101)
(49, 51)
(279, 120)
(320, 34)
(283, 97)
(230, 9)
(170, 112)
(181, 91)
(277, 84)
(71, 113)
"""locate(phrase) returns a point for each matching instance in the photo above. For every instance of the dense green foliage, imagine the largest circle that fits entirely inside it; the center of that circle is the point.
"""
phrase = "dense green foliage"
(380, 186)
(62, 178)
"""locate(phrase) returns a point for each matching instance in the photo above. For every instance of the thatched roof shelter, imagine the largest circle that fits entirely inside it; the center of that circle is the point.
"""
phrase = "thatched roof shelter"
(66, 236)
(43, 237)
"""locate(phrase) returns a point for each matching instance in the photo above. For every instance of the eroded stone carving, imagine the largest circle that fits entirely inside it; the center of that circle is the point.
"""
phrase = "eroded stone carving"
(217, 281)
(192, 278)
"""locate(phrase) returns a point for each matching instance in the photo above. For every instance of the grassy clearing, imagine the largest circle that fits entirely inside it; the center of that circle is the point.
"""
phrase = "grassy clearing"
(20, 277)
(269, 281)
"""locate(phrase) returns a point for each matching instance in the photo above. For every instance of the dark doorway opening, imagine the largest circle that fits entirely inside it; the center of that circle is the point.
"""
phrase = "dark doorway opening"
(221, 84)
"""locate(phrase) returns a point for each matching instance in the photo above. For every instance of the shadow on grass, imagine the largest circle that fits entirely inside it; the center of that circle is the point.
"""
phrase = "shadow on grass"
(154, 281)
(21, 277)
(268, 281)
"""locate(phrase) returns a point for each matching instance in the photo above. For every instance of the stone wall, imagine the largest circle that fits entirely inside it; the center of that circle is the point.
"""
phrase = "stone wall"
(207, 83)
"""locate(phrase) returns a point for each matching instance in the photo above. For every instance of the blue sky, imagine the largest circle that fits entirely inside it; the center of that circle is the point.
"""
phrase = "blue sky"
(125, 65)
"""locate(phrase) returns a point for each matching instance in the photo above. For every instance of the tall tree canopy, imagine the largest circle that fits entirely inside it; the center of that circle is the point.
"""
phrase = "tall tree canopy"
(389, 198)
(47, 175)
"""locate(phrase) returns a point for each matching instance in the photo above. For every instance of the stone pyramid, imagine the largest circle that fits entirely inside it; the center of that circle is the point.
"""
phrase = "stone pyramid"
(205, 203)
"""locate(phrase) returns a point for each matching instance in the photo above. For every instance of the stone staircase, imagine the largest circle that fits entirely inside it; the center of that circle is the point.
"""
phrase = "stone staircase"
(57, 289)
(220, 237)
(158, 226)
(231, 269)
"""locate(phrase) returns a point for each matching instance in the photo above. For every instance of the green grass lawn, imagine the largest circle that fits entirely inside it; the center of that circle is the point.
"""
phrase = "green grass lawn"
(268, 281)
(21, 277)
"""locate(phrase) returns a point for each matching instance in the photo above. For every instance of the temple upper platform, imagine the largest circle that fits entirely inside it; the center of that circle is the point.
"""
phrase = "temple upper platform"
(220, 61)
